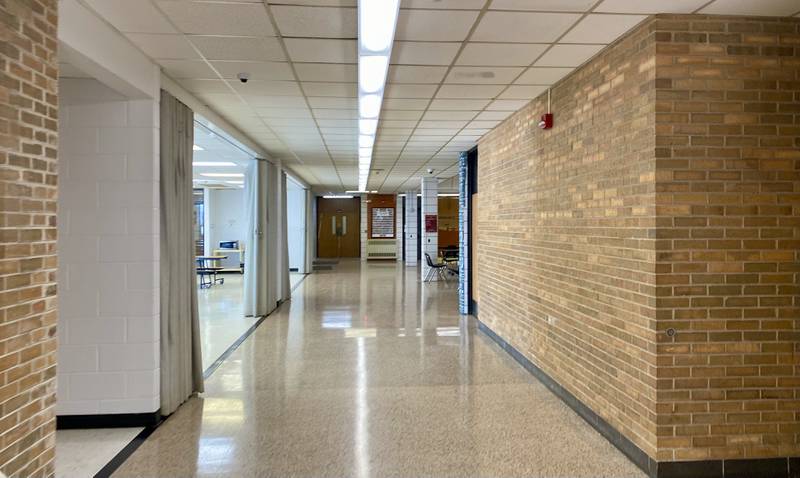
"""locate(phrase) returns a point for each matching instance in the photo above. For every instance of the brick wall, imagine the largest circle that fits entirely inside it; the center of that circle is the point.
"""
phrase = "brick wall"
(566, 235)
(728, 194)
(666, 196)
(28, 137)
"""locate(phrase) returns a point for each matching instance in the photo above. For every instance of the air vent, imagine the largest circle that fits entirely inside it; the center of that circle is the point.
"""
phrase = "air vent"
(478, 74)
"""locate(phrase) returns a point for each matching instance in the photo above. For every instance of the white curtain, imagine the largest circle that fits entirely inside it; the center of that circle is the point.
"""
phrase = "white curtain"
(181, 359)
(285, 288)
(256, 281)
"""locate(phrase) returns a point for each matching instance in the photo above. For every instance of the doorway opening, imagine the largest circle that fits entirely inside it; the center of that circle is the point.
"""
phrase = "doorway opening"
(338, 228)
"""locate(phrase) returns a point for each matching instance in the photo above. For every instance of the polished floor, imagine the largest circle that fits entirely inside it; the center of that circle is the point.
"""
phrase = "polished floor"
(82, 453)
(368, 373)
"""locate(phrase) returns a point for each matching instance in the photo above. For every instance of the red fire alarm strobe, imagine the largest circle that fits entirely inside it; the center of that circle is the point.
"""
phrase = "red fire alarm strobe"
(547, 121)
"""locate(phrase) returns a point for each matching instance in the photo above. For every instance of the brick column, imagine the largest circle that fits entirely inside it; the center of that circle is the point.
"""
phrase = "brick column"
(28, 138)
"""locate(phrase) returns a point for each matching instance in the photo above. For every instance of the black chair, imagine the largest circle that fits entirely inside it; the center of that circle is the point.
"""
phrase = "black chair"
(434, 269)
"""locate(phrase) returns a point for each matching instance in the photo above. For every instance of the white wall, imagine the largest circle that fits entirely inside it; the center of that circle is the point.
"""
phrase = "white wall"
(296, 225)
(108, 241)
(226, 217)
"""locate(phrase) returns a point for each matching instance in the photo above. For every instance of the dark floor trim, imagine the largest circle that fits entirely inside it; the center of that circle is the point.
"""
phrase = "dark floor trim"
(749, 468)
(227, 353)
(111, 420)
(305, 274)
(627, 447)
(125, 453)
(473, 308)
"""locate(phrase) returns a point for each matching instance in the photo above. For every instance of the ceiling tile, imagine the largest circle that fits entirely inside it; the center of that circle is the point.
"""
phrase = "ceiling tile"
(404, 104)
(409, 91)
(423, 53)
(296, 21)
(266, 88)
(401, 114)
(284, 112)
(544, 5)
(649, 6)
(238, 48)
(596, 28)
(457, 105)
(444, 4)
(127, 16)
(257, 70)
(449, 115)
(398, 123)
(484, 124)
(434, 25)
(442, 124)
(206, 18)
(321, 51)
(331, 89)
(483, 75)
(179, 69)
(469, 91)
(504, 105)
(205, 86)
(522, 92)
(161, 46)
(330, 102)
(336, 113)
(522, 27)
(568, 55)
(778, 8)
(331, 72)
(493, 115)
(500, 54)
(416, 74)
(542, 76)
(266, 101)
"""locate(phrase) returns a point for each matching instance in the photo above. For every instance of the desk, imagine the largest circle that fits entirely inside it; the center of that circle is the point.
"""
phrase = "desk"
(207, 268)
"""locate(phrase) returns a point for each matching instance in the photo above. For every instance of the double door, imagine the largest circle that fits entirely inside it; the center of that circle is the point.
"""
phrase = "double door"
(338, 223)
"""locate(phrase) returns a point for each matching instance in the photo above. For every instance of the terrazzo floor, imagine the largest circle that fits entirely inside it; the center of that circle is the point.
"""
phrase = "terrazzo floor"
(369, 373)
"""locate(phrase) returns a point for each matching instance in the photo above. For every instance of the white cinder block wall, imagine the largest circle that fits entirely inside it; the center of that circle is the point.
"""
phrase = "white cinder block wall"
(108, 241)
(430, 206)
(411, 228)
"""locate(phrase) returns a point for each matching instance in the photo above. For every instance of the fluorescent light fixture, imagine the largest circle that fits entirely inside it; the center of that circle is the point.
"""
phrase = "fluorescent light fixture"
(222, 175)
(376, 23)
(213, 163)
(361, 192)
(235, 182)
(367, 126)
(365, 152)
(372, 73)
(366, 141)
(338, 196)
(369, 106)
(197, 148)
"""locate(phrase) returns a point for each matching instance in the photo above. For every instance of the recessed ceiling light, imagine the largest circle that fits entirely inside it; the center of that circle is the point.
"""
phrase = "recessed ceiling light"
(337, 196)
(235, 182)
(372, 73)
(196, 148)
(377, 20)
(369, 106)
(222, 175)
(213, 163)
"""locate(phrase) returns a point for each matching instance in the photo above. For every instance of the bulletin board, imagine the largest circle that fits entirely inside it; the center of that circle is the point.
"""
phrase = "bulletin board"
(382, 222)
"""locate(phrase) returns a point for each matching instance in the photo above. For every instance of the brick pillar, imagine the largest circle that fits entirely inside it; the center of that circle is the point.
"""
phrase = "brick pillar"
(429, 204)
(28, 138)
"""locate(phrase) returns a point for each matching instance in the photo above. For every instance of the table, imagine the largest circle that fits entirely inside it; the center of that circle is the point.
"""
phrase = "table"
(207, 268)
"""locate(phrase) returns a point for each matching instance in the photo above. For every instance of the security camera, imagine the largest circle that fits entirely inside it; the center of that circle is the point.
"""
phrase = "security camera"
(430, 170)
(243, 77)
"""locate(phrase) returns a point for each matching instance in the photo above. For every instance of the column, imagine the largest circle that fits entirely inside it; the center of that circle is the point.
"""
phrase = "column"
(430, 240)
(411, 228)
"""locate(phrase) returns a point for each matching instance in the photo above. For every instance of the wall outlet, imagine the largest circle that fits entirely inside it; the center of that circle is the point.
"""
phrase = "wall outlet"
(550, 319)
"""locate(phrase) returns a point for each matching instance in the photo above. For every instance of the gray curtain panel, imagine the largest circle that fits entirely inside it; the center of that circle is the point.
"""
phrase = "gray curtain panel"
(256, 303)
(285, 286)
(273, 228)
(181, 359)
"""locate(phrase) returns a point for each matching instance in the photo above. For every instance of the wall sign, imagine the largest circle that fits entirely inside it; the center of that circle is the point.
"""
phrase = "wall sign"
(382, 222)
(431, 224)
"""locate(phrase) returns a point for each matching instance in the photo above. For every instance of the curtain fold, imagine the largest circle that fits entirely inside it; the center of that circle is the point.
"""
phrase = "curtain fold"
(256, 280)
(181, 359)
(273, 244)
(285, 290)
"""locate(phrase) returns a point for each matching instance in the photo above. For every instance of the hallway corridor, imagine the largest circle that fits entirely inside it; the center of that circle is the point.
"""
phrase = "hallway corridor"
(368, 373)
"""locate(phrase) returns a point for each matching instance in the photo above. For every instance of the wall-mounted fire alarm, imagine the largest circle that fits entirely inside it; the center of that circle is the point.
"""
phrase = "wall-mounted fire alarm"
(547, 121)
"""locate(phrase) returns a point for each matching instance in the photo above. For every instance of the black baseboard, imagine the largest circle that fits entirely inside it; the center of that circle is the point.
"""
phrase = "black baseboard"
(112, 420)
(752, 468)
(473, 308)
(125, 453)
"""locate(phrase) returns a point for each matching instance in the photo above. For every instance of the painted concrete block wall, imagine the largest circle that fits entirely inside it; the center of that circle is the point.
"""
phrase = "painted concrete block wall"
(430, 206)
(411, 228)
(363, 227)
(398, 226)
(226, 219)
(296, 225)
(108, 226)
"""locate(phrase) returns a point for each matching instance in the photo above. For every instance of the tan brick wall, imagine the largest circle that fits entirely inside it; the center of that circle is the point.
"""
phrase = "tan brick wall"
(28, 138)
(728, 193)
(666, 196)
(566, 231)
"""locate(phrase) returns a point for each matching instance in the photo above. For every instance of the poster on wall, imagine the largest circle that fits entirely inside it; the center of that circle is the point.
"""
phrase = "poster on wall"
(383, 222)
(430, 223)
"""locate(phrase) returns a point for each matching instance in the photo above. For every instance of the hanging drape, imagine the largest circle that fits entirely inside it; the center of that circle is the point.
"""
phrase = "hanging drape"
(273, 243)
(256, 280)
(285, 289)
(181, 360)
